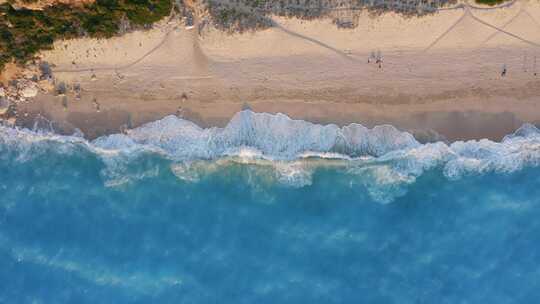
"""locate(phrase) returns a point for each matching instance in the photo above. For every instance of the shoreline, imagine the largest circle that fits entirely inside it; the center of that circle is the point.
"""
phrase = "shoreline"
(426, 124)
(440, 74)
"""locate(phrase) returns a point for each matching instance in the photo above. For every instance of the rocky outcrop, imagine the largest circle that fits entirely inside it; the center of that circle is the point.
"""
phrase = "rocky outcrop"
(27, 85)
(4, 105)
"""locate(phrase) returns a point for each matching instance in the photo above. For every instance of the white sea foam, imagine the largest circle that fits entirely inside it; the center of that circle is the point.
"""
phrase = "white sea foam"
(385, 159)
(271, 136)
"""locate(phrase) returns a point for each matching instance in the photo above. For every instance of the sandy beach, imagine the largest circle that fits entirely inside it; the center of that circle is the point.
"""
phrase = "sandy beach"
(440, 76)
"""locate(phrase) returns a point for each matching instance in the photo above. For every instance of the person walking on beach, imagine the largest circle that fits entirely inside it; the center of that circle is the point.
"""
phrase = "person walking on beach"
(379, 59)
(503, 73)
(371, 57)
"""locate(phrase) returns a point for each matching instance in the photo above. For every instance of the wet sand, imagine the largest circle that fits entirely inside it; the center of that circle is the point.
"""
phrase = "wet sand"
(445, 120)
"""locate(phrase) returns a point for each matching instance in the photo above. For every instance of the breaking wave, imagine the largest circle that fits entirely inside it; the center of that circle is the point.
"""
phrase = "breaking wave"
(384, 159)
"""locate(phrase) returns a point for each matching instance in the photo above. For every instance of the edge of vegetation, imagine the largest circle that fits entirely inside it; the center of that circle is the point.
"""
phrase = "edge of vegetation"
(24, 32)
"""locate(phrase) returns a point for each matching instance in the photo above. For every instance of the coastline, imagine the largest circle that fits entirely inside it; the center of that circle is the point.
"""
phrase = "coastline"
(441, 74)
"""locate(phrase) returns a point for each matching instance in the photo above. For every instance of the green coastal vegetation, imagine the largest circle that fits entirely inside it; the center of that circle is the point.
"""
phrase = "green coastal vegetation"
(24, 32)
(247, 15)
(491, 2)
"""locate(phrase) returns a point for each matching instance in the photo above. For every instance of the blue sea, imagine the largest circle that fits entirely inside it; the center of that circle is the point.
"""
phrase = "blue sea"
(268, 210)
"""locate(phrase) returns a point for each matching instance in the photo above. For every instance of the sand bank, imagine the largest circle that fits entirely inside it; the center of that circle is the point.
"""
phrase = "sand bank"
(439, 73)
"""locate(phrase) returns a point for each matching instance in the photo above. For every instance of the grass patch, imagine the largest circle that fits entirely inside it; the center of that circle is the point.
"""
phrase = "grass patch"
(490, 2)
(24, 32)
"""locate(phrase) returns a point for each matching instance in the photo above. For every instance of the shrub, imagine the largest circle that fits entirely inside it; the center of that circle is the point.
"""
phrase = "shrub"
(490, 2)
(24, 32)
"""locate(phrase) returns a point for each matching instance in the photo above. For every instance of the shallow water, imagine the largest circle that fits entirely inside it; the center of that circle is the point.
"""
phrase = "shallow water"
(268, 210)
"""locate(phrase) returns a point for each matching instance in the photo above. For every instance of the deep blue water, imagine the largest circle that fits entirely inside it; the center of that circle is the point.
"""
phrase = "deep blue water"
(78, 225)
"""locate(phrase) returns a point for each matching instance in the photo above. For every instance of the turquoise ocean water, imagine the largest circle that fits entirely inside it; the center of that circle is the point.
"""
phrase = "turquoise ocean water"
(268, 210)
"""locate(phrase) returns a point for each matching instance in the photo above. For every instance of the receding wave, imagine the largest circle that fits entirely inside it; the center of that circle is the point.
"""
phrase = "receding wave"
(384, 158)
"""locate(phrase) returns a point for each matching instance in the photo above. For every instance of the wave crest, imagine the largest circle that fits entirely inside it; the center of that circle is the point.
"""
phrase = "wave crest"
(385, 159)
(274, 136)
